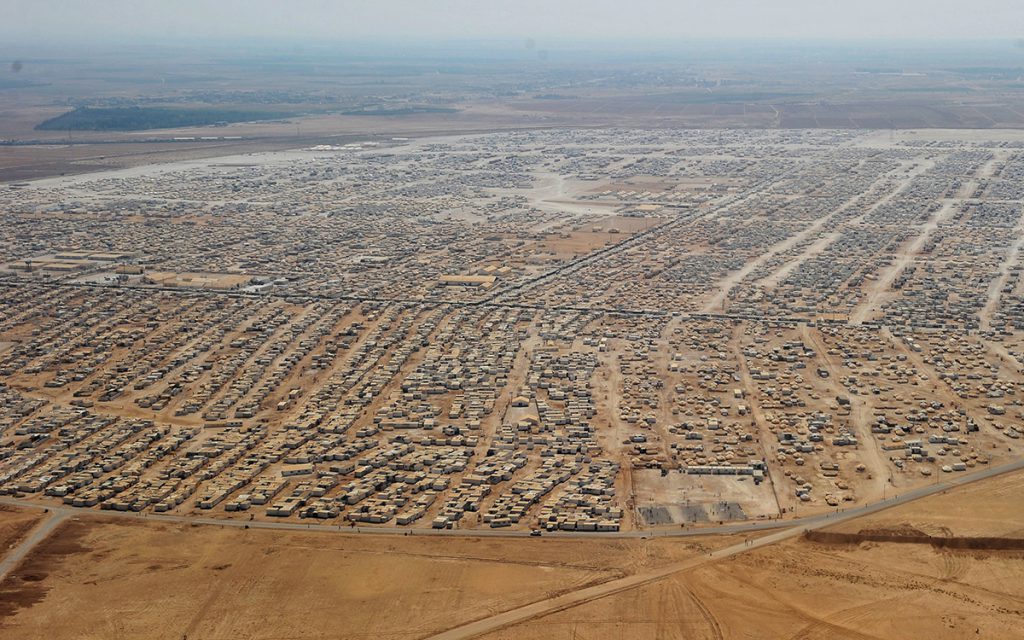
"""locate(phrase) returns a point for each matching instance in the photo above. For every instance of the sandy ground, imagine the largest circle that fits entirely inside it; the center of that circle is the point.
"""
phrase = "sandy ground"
(991, 508)
(802, 590)
(98, 579)
(14, 526)
(805, 590)
(115, 580)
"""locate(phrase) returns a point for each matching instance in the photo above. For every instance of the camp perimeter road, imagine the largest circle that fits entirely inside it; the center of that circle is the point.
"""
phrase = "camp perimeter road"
(787, 529)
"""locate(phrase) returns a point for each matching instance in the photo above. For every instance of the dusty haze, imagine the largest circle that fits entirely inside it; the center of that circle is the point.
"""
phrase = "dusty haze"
(570, 19)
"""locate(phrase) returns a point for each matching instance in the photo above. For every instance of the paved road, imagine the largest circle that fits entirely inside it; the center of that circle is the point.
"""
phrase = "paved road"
(16, 555)
(576, 598)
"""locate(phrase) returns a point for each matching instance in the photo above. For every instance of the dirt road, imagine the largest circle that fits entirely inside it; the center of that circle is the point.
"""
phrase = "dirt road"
(572, 599)
(38, 535)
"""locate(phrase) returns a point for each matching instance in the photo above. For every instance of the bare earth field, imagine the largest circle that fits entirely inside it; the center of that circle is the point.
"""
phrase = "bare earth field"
(991, 508)
(804, 590)
(106, 579)
(96, 579)
(14, 526)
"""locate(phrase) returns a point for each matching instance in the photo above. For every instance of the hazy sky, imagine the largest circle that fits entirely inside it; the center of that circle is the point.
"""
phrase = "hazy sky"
(548, 21)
